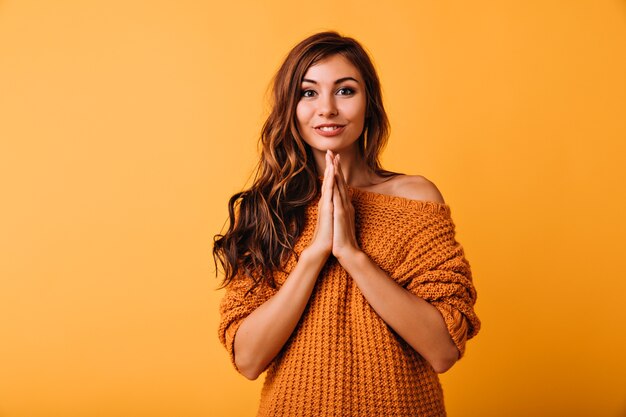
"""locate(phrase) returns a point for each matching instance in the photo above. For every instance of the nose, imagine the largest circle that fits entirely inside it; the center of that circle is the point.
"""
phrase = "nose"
(327, 106)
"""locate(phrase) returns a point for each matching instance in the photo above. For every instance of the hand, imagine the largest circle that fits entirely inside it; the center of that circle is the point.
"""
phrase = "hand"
(344, 227)
(322, 242)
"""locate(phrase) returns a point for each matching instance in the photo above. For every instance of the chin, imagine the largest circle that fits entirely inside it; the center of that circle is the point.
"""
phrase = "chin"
(334, 145)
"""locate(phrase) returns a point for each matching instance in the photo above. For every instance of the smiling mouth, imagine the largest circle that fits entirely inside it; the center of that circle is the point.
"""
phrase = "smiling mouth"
(330, 130)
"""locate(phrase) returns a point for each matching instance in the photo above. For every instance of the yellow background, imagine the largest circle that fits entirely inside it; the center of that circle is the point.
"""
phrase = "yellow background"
(126, 125)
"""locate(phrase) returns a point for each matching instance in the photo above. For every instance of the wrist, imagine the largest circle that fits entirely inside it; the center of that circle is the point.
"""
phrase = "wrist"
(348, 255)
(314, 255)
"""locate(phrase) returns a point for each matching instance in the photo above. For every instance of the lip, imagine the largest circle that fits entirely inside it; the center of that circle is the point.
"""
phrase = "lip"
(328, 124)
(330, 133)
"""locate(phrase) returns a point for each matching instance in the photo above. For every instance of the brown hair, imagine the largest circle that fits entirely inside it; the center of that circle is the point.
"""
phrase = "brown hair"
(267, 218)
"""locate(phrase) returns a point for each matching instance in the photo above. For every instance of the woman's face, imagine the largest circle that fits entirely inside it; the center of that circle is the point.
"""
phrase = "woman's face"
(331, 109)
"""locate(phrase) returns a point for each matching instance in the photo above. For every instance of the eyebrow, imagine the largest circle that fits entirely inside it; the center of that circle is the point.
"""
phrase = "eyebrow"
(336, 82)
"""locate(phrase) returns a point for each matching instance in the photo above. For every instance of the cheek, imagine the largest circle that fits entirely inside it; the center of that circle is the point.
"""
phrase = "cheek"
(357, 112)
(302, 113)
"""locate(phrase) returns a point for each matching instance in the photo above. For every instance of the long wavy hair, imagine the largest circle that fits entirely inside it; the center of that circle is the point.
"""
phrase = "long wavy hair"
(267, 219)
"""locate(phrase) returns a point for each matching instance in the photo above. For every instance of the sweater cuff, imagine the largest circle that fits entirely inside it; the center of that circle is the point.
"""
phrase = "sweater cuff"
(229, 340)
(456, 324)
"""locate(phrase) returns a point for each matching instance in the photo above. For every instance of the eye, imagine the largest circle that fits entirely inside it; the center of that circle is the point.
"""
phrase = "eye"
(345, 91)
(307, 93)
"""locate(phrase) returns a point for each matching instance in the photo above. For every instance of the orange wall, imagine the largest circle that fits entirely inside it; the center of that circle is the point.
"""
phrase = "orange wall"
(126, 125)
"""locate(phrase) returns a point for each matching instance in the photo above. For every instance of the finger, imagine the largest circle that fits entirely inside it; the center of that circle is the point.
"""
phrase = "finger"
(343, 186)
(337, 201)
(329, 179)
(325, 180)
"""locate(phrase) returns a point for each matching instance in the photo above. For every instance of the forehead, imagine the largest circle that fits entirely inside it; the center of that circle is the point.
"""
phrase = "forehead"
(332, 68)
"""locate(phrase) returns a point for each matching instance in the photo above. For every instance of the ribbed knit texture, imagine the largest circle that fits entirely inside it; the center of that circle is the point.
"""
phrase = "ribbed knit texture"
(342, 359)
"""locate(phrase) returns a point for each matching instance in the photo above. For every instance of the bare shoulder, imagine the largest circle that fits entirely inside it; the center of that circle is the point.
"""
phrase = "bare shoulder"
(415, 187)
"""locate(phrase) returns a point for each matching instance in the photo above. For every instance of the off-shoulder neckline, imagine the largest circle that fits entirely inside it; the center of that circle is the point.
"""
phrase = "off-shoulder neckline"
(425, 205)
(373, 196)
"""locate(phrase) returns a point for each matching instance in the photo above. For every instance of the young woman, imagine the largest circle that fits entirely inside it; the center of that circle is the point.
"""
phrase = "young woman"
(343, 281)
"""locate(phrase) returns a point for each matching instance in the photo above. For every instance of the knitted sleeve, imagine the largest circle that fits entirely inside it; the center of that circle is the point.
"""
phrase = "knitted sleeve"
(235, 306)
(439, 273)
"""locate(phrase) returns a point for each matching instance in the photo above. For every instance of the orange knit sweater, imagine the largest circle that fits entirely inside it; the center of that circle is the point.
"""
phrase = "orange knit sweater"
(342, 359)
